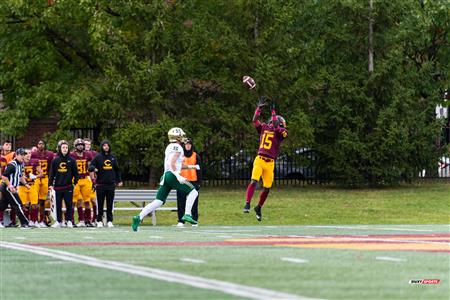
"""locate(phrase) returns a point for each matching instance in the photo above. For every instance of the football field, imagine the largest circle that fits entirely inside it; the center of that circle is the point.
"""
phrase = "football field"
(227, 262)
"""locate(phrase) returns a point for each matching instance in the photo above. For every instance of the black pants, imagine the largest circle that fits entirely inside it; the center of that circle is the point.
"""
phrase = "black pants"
(181, 205)
(103, 194)
(67, 195)
(12, 199)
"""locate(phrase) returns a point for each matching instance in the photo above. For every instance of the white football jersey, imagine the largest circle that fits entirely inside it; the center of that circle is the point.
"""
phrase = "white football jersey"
(171, 150)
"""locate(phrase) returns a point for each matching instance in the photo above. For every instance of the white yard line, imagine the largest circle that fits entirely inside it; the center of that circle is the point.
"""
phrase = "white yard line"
(192, 260)
(159, 274)
(294, 260)
(387, 258)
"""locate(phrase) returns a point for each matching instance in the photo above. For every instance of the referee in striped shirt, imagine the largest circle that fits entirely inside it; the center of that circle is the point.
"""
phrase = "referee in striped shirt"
(11, 178)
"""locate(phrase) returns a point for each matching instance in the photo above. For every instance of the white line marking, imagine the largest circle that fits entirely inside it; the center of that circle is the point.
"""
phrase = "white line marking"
(294, 260)
(89, 237)
(192, 260)
(20, 238)
(387, 258)
(159, 274)
(155, 237)
(57, 262)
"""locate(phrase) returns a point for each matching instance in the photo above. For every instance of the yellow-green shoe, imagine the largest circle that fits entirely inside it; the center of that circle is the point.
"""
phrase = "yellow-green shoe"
(135, 223)
(188, 218)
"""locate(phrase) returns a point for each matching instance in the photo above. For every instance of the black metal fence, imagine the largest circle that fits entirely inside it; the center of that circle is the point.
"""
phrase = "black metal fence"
(297, 168)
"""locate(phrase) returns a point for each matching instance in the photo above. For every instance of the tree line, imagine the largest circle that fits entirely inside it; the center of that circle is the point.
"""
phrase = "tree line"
(133, 69)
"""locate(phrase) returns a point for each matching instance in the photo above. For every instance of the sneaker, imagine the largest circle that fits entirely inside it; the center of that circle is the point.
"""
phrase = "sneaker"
(110, 224)
(36, 225)
(89, 224)
(43, 225)
(195, 225)
(31, 224)
(56, 225)
(69, 224)
(11, 225)
(81, 224)
(99, 224)
(246, 208)
(135, 223)
(188, 218)
(180, 224)
(1, 225)
(63, 224)
(258, 213)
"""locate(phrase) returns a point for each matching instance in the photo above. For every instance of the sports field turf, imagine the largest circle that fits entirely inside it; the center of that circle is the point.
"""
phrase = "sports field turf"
(226, 262)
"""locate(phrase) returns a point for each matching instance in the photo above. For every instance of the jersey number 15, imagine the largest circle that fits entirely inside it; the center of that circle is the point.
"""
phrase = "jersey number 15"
(266, 140)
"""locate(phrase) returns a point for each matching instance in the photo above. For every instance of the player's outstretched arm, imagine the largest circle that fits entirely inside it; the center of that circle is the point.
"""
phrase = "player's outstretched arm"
(274, 114)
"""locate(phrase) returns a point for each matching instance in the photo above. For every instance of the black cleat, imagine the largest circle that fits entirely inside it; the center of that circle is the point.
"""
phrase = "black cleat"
(258, 213)
(246, 208)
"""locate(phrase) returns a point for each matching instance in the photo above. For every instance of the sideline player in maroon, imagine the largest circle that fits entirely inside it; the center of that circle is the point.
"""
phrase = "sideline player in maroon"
(271, 136)
(83, 189)
(45, 158)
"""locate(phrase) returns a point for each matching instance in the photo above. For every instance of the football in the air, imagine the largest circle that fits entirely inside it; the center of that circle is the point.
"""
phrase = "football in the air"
(249, 82)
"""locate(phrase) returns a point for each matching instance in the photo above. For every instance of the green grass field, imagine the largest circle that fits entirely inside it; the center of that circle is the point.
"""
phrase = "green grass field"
(415, 204)
(298, 273)
(314, 243)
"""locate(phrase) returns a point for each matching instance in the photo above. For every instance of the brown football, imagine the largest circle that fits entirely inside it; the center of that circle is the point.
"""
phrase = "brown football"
(249, 82)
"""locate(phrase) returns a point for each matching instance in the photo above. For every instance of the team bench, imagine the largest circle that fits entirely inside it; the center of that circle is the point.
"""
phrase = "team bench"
(140, 198)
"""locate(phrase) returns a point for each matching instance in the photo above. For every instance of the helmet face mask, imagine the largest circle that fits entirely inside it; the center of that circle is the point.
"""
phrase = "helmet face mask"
(176, 134)
(77, 143)
(279, 122)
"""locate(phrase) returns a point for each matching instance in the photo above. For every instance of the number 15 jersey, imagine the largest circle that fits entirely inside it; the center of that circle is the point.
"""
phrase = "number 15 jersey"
(270, 139)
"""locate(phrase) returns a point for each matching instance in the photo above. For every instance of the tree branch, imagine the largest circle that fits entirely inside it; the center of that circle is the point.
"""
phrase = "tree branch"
(82, 54)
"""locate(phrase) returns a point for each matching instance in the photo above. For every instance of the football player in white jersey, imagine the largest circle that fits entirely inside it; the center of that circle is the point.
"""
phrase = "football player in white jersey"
(171, 179)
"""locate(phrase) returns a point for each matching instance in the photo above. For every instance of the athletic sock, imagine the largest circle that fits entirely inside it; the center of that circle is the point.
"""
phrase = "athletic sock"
(34, 214)
(12, 216)
(94, 212)
(26, 212)
(149, 208)
(190, 201)
(263, 197)
(250, 191)
(87, 214)
(42, 211)
(80, 214)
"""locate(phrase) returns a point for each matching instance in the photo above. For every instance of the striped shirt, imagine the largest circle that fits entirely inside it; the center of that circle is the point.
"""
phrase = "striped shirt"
(14, 172)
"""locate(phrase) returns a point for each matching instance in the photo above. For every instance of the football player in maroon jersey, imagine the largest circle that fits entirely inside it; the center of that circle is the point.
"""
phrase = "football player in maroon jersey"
(83, 189)
(272, 135)
(45, 158)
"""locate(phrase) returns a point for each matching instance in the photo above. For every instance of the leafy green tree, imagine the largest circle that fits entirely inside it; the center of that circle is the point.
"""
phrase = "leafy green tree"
(133, 69)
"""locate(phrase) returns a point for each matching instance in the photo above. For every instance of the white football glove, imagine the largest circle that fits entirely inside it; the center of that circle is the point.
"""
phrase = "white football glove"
(196, 167)
(32, 176)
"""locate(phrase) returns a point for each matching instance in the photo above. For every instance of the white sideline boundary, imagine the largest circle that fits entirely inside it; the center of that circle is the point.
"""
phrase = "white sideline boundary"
(159, 274)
